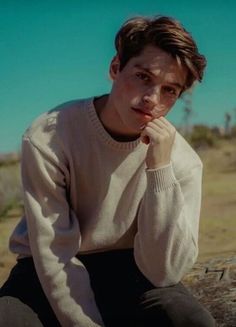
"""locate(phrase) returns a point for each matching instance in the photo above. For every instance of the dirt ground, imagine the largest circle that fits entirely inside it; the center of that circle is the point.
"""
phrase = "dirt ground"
(7, 259)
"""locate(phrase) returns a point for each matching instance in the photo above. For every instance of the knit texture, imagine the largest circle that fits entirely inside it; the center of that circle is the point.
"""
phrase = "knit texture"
(85, 192)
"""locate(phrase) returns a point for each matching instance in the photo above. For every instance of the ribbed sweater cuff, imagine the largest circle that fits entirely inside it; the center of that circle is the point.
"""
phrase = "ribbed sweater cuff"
(160, 179)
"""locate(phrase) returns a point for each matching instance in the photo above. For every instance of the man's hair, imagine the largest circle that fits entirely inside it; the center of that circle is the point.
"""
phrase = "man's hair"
(167, 34)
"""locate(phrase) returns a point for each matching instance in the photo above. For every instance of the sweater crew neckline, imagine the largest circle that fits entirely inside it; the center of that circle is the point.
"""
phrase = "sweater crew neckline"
(103, 134)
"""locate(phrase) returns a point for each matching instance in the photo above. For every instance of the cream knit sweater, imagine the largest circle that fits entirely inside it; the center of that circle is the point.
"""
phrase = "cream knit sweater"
(85, 192)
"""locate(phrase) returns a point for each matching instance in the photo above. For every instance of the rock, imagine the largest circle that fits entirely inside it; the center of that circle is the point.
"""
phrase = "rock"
(214, 284)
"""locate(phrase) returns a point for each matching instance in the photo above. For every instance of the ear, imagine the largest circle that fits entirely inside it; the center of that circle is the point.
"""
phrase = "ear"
(114, 67)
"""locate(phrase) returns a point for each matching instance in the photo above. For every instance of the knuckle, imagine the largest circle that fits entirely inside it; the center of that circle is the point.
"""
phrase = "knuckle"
(172, 130)
(148, 129)
(155, 120)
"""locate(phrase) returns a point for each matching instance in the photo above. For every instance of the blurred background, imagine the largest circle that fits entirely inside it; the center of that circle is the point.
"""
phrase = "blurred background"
(53, 51)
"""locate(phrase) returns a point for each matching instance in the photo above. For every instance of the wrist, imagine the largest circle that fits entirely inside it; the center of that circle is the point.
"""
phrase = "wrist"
(160, 179)
(157, 165)
(161, 166)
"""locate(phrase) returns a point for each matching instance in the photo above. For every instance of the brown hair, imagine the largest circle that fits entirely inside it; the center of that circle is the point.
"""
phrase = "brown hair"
(167, 34)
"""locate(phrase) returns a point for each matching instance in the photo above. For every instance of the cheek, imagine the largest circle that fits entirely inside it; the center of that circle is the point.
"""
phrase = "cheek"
(125, 90)
(167, 106)
(128, 86)
(169, 103)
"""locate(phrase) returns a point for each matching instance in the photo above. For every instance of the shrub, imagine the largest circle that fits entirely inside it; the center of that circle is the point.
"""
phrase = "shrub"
(202, 136)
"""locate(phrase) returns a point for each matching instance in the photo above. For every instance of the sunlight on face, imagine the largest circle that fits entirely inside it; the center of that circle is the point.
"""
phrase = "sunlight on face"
(146, 88)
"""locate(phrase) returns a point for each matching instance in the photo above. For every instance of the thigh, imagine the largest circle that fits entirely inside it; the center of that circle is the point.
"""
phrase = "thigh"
(126, 298)
(14, 313)
(112, 278)
(23, 290)
(172, 306)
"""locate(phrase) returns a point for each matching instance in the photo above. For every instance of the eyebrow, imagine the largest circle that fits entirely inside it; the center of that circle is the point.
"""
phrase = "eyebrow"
(151, 73)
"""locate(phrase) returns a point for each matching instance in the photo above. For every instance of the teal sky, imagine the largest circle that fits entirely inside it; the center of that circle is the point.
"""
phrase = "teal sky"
(53, 51)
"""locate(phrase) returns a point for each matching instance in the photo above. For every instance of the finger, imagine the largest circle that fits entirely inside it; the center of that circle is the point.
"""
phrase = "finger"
(159, 126)
(165, 122)
(162, 122)
(156, 124)
(154, 135)
(171, 128)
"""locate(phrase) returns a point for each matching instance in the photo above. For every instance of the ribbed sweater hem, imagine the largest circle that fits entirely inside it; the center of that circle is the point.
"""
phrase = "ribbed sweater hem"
(161, 179)
(101, 132)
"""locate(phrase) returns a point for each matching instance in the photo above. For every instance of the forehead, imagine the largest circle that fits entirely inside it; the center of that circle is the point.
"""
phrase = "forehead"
(159, 63)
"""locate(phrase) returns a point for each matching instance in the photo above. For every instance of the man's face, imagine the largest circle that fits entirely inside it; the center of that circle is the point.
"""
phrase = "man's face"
(146, 88)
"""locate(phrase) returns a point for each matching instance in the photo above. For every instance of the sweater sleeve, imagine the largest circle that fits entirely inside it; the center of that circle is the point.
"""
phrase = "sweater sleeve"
(54, 237)
(166, 243)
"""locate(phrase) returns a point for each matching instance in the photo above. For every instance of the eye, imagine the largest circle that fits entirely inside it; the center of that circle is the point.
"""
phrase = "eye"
(144, 77)
(170, 90)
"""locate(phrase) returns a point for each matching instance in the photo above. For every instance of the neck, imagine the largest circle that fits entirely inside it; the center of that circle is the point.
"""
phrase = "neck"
(104, 111)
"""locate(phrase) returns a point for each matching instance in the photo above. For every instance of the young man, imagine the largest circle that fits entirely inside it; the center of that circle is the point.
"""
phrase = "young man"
(112, 197)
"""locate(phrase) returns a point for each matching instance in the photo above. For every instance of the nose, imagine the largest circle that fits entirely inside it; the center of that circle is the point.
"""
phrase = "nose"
(152, 99)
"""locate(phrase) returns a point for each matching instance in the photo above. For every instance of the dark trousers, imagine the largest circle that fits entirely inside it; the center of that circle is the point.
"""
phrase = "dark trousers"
(125, 298)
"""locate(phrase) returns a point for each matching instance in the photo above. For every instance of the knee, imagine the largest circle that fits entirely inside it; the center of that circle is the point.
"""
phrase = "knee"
(13, 312)
(174, 318)
(201, 318)
(174, 309)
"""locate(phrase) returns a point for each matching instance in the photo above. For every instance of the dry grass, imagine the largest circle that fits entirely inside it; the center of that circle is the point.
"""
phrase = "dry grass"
(218, 218)
(10, 211)
(10, 190)
(7, 259)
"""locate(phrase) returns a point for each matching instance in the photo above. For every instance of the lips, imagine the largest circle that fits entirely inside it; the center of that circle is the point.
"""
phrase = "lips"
(143, 112)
